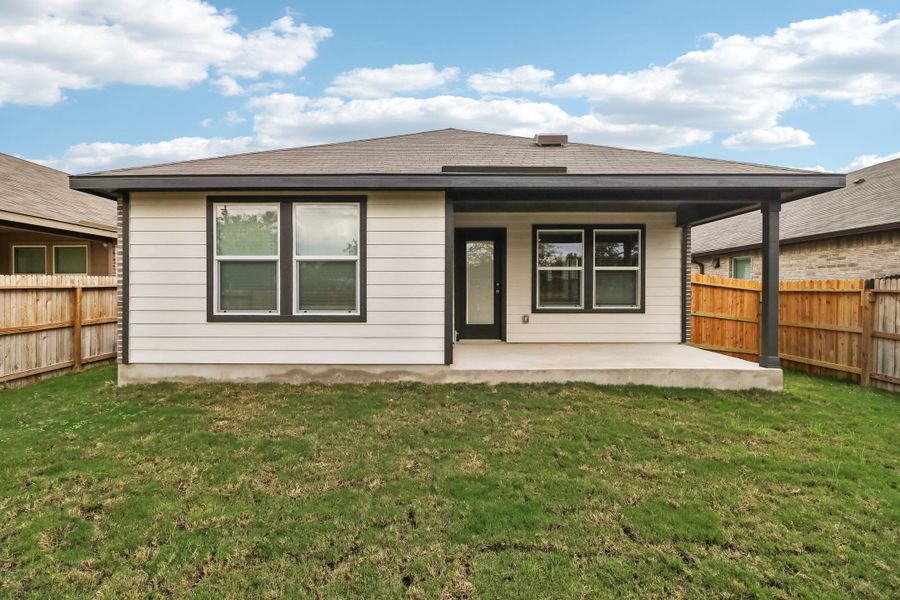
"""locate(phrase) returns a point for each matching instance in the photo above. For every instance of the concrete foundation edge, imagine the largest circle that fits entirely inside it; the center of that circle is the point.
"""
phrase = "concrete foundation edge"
(721, 379)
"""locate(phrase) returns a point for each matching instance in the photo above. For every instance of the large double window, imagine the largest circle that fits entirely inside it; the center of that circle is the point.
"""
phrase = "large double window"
(594, 268)
(68, 259)
(287, 259)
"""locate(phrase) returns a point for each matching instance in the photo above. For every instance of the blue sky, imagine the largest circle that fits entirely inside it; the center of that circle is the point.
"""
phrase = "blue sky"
(95, 84)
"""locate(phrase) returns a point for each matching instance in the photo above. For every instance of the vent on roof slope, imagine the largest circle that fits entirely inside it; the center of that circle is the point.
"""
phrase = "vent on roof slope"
(551, 139)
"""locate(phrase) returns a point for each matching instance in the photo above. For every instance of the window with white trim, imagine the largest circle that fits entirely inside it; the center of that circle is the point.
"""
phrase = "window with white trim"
(246, 238)
(588, 268)
(326, 258)
(617, 268)
(559, 264)
(70, 259)
(740, 267)
(29, 260)
(284, 258)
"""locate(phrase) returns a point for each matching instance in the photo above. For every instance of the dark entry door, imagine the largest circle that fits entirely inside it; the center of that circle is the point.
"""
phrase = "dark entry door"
(480, 294)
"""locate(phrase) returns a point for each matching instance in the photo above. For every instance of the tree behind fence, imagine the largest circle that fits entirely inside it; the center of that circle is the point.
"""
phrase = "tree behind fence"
(54, 323)
(845, 328)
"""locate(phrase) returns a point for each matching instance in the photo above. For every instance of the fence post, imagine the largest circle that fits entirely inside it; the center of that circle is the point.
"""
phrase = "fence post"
(759, 320)
(866, 340)
(76, 329)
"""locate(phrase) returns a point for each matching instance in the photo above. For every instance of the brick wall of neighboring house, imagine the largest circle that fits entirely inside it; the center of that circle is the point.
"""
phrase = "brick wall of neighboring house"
(867, 255)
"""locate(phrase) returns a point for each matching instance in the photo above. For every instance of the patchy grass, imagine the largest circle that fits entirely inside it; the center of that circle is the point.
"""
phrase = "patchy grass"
(447, 491)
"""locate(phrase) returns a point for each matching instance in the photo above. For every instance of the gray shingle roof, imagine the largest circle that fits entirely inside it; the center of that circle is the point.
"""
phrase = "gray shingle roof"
(30, 189)
(427, 152)
(874, 202)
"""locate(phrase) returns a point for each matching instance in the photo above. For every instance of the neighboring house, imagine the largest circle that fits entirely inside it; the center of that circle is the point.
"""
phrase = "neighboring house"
(386, 258)
(47, 228)
(847, 233)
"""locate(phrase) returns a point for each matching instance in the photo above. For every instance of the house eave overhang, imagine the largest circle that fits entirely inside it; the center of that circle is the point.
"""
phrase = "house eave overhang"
(11, 219)
(791, 186)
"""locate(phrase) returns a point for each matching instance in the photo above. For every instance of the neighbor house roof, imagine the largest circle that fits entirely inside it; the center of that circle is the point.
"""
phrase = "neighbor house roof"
(431, 151)
(871, 201)
(32, 194)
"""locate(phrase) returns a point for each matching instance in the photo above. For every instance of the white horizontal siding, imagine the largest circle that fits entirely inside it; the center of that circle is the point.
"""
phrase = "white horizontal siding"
(405, 292)
(279, 357)
(661, 321)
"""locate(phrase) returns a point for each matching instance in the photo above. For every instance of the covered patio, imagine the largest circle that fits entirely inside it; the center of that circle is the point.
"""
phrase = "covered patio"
(671, 365)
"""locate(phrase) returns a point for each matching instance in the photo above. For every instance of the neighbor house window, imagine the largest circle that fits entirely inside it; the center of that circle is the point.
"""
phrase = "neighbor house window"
(560, 268)
(246, 258)
(617, 267)
(326, 257)
(287, 258)
(70, 260)
(740, 267)
(588, 268)
(28, 260)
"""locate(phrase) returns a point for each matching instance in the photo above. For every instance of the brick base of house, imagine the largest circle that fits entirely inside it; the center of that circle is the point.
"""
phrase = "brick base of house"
(867, 256)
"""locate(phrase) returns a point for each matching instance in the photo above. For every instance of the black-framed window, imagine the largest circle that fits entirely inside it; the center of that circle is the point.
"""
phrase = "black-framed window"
(588, 268)
(286, 258)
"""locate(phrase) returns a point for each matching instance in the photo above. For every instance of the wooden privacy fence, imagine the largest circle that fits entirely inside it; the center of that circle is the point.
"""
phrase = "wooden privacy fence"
(847, 328)
(55, 323)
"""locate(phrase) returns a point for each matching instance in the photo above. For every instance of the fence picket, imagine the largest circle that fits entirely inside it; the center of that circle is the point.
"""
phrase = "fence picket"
(54, 323)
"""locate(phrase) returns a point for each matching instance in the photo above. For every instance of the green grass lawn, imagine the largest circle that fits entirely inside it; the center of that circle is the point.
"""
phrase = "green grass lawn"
(423, 491)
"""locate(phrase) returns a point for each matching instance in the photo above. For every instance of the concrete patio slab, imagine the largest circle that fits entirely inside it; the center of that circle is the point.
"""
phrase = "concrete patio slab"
(671, 365)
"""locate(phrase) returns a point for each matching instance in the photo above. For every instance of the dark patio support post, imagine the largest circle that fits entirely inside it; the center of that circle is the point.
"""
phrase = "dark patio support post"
(768, 351)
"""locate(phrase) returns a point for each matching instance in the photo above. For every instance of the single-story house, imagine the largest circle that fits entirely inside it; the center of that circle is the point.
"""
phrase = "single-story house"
(438, 256)
(48, 228)
(853, 232)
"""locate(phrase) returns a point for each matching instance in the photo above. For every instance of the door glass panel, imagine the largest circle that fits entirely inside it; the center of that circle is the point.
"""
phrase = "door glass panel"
(480, 283)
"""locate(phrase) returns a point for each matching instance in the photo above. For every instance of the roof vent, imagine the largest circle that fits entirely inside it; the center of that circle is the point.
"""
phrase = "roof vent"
(859, 181)
(551, 139)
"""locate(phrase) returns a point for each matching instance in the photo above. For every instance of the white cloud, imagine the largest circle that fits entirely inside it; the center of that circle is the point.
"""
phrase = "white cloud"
(206, 122)
(234, 118)
(765, 139)
(47, 46)
(107, 155)
(747, 83)
(390, 81)
(284, 120)
(867, 160)
(288, 119)
(526, 78)
(228, 86)
(740, 86)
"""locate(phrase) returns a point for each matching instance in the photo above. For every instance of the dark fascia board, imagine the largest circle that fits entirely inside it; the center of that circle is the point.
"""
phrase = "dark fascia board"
(109, 239)
(814, 183)
(803, 239)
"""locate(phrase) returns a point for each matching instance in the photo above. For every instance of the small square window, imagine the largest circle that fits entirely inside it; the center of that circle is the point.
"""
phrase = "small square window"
(740, 267)
(70, 260)
(29, 260)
